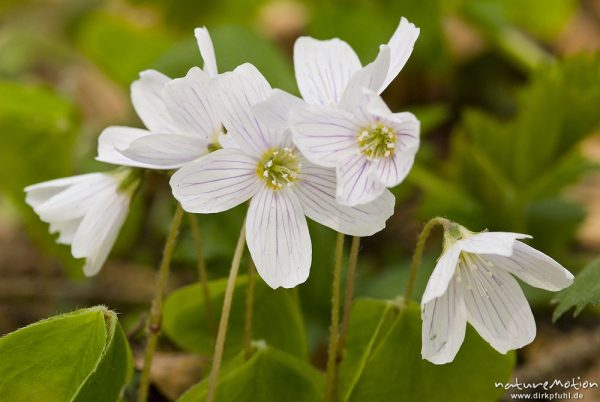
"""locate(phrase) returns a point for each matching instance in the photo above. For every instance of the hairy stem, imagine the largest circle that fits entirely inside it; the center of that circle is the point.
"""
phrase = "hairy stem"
(249, 310)
(156, 311)
(354, 247)
(202, 273)
(331, 374)
(222, 332)
(416, 260)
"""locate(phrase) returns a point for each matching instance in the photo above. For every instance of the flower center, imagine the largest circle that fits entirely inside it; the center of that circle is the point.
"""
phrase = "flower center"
(376, 141)
(279, 167)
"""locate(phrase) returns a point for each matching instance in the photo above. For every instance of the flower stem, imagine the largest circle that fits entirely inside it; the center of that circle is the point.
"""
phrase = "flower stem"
(331, 374)
(154, 322)
(354, 247)
(416, 260)
(222, 332)
(249, 310)
(202, 273)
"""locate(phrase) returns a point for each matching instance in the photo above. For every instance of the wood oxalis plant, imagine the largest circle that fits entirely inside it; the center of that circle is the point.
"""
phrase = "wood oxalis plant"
(330, 156)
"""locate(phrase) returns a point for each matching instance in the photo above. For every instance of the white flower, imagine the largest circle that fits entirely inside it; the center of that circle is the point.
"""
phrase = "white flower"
(179, 115)
(370, 147)
(345, 124)
(472, 282)
(87, 211)
(326, 68)
(283, 187)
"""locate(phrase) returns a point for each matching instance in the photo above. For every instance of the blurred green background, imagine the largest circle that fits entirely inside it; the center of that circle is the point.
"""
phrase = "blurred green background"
(508, 93)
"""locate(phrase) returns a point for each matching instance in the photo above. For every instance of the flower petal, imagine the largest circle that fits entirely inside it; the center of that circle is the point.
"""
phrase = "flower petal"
(325, 135)
(392, 171)
(497, 308)
(76, 200)
(323, 69)
(372, 104)
(225, 141)
(444, 325)
(534, 267)
(274, 111)
(316, 191)
(217, 182)
(99, 230)
(278, 238)
(355, 184)
(500, 243)
(116, 138)
(207, 51)
(39, 193)
(148, 101)
(442, 274)
(405, 124)
(370, 78)
(401, 45)
(235, 93)
(166, 151)
(66, 230)
(190, 103)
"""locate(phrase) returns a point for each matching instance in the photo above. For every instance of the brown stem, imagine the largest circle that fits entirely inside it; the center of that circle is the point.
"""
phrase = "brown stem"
(416, 260)
(220, 341)
(202, 273)
(331, 373)
(156, 310)
(354, 248)
(249, 310)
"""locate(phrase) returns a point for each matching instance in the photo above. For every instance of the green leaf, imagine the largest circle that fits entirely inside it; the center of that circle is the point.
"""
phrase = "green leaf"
(365, 25)
(384, 283)
(268, 376)
(556, 110)
(584, 290)
(39, 129)
(383, 361)
(369, 320)
(114, 368)
(277, 318)
(79, 356)
(121, 48)
(544, 18)
(431, 116)
(519, 165)
(444, 197)
(557, 216)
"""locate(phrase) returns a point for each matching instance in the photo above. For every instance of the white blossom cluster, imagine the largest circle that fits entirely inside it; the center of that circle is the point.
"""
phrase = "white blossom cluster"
(330, 156)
